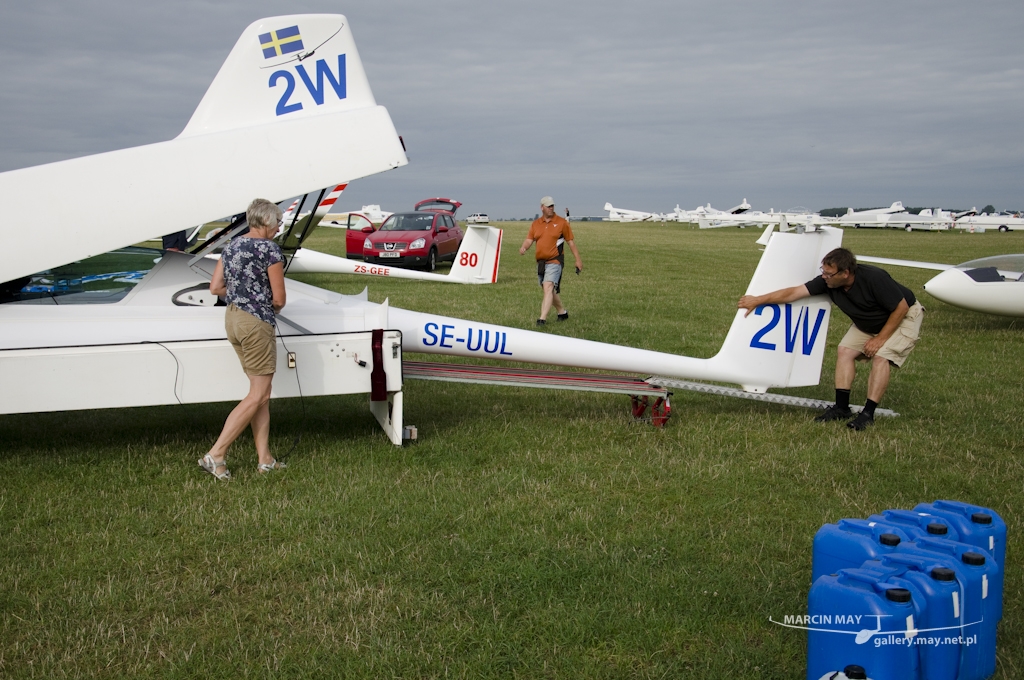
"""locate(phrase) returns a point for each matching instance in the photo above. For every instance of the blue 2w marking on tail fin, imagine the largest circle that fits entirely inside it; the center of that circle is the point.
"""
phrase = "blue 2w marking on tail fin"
(338, 83)
(792, 329)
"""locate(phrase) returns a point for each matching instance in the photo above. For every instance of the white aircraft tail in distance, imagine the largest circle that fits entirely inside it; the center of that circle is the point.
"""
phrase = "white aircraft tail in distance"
(476, 262)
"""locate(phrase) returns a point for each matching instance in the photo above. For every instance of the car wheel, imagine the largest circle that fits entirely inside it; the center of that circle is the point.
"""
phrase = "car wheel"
(1003, 227)
(908, 228)
(432, 260)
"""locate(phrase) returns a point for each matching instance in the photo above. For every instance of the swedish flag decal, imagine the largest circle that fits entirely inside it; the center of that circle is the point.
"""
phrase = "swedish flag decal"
(280, 42)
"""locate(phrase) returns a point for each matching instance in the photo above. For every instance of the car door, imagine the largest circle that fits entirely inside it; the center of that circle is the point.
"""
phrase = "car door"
(441, 237)
(354, 235)
(455, 232)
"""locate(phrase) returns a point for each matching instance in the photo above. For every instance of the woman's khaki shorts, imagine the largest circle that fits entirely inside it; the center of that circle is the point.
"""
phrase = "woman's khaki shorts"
(253, 340)
(897, 348)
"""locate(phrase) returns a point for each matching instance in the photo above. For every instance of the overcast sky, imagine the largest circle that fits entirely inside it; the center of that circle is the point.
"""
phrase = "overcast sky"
(644, 104)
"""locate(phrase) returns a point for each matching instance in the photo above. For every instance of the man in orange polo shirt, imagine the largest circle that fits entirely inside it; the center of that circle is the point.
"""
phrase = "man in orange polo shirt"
(551, 232)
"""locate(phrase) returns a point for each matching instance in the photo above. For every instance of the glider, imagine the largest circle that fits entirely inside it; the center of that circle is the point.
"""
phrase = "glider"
(151, 333)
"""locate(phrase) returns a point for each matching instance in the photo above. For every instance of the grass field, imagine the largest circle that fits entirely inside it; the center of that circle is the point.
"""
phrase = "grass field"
(527, 533)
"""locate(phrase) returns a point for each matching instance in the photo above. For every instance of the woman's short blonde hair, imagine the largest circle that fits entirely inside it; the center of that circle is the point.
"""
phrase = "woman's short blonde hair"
(262, 214)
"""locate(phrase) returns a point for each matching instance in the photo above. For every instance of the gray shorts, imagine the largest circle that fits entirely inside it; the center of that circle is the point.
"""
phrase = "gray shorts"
(552, 273)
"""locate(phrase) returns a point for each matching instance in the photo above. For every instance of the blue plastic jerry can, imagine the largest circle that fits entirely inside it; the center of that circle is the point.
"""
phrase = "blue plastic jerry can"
(848, 542)
(938, 636)
(978, 526)
(856, 618)
(974, 560)
(918, 525)
(980, 610)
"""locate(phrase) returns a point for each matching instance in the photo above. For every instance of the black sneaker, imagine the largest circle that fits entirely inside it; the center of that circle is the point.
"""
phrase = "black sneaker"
(834, 412)
(564, 316)
(541, 322)
(861, 422)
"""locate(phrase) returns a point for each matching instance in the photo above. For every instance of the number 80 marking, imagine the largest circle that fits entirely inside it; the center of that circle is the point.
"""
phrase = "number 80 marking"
(468, 259)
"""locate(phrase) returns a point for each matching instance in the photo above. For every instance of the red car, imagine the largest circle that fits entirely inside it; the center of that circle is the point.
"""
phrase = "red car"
(357, 227)
(417, 239)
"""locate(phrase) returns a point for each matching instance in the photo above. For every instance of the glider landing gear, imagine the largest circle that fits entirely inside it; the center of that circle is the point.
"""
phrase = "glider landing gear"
(661, 410)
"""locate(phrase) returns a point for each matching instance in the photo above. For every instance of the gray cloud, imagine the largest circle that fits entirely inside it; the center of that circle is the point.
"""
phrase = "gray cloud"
(645, 105)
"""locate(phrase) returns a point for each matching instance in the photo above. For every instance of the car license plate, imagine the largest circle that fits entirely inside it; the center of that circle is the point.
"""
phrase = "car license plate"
(387, 254)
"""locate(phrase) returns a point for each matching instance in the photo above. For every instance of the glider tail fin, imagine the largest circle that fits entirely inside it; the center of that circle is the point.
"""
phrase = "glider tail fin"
(282, 69)
(782, 345)
(479, 255)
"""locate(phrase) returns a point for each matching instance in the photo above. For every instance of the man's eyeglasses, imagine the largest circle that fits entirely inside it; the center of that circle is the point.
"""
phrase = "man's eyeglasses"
(280, 223)
(828, 275)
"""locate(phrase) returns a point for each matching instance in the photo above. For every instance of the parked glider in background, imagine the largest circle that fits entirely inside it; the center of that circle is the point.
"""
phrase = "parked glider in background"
(151, 332)
(622, 215)
(992, 285)
(926, 220)
(1001, 221)
(793, 219)
(374, 213)
(876, 217)
(712, 217)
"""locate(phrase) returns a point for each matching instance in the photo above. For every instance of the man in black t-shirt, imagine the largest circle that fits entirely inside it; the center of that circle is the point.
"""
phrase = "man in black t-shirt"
(886, 325)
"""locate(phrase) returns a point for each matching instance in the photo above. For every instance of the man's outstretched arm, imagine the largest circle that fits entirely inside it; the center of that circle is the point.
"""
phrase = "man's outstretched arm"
(752, 302)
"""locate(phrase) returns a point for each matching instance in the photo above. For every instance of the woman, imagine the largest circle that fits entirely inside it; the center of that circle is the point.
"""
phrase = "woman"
(250, 273)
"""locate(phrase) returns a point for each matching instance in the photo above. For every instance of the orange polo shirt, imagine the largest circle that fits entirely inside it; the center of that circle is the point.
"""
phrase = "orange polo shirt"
(547, 234)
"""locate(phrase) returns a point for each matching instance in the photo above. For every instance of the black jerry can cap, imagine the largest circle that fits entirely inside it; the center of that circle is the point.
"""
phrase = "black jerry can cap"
(972, 558)
(981, 518)
(937, 529)
(889, 539)
(943, 574)
(897, 595)
(855, 672)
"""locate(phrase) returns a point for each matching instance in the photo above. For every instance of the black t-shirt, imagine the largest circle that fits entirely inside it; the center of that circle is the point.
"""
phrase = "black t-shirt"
(873, 296)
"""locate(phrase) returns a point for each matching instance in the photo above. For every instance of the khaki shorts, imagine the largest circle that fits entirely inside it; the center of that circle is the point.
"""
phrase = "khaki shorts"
(897, 348)
(253, 340)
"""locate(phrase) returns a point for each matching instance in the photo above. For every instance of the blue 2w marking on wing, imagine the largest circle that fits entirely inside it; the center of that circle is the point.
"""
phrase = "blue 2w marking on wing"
(792, 329)
(323, 72)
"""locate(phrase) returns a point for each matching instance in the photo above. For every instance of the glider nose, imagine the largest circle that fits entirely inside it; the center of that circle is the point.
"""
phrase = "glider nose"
(949, 286)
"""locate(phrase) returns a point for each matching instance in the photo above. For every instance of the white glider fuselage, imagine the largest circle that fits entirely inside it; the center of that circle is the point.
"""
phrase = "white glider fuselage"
(777, 346)
(991, 285)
